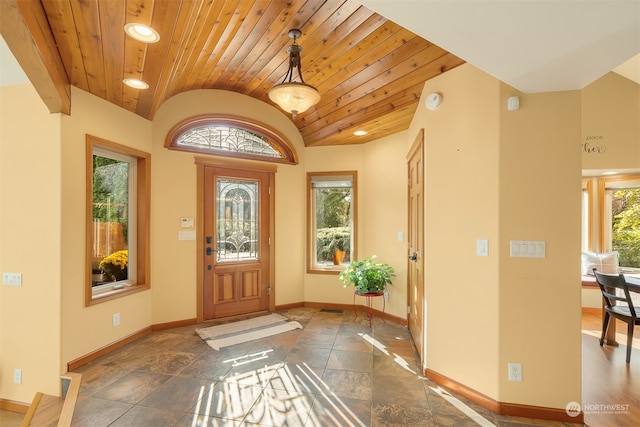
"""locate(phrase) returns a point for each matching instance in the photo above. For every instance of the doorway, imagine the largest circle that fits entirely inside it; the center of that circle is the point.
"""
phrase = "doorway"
(415, 279)
(236, 249)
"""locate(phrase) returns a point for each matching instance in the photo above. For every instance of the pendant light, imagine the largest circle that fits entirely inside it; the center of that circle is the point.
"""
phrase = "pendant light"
(292, 96)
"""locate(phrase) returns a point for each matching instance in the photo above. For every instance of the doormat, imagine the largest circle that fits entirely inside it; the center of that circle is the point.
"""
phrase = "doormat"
(228, 334)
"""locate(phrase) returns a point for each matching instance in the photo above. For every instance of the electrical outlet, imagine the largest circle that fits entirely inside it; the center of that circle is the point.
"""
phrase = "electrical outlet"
(116, 319)
(515, 372)
(17, 376)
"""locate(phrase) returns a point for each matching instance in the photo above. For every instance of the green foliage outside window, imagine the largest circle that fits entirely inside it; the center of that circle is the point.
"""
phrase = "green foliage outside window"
(110, 191)
(626, 226)
(330, 239)
(333, 222)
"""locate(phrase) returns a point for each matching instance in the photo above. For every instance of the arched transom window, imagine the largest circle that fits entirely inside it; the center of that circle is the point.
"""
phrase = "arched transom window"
(230, 136)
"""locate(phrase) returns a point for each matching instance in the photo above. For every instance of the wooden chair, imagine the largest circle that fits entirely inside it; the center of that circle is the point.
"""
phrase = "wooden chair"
(617, 306)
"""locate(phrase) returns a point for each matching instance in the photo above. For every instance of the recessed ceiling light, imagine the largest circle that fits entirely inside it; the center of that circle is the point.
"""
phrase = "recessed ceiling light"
(142, 33)
(360, 133)
(136, 84)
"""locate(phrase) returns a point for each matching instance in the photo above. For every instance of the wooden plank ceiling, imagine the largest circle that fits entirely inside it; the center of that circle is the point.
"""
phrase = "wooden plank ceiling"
(368, 70)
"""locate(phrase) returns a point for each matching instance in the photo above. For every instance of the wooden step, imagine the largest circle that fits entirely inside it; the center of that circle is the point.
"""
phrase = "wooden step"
(52, 411)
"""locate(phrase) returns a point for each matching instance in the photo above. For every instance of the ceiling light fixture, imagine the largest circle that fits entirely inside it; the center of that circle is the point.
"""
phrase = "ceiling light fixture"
(360, 133)
(292, 96)
(142, 33)
(136, 84)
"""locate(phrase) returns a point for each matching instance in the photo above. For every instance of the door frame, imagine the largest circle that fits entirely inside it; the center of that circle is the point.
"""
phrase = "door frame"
(240, 165)
(418, 147)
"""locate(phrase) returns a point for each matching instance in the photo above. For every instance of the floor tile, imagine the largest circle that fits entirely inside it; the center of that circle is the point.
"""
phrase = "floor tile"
(228, 400)
(316, 339)
(91, 411)
(275, 407)
(336, 371)
(315, 357)
(392, 415)
(330, 410)
(132, 387)
(350, 361)
(95, 377)
(179, 394)
(141, 416)
(300, 378)
(350, 384)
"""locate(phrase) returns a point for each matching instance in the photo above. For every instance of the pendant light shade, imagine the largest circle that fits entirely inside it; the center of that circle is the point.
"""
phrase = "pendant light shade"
(294, 96)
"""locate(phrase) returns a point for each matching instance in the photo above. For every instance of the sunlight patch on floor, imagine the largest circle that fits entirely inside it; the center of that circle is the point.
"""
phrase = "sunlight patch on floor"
(620, 338)
(296, 398)
(397, 358)
(463, 408)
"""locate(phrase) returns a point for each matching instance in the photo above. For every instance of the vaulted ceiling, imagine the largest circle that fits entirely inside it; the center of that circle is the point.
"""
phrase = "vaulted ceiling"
(368, 70)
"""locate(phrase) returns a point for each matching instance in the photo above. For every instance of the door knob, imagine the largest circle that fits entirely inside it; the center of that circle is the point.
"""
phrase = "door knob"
(413, 257)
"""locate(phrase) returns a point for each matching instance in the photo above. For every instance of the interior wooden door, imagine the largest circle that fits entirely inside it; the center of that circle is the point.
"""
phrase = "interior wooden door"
(415, 279)
(236, 242)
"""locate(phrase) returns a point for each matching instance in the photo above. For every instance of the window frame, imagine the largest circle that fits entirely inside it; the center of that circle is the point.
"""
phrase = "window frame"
(604, 231)
(278, 141)
(312, 267)
(141, 258)
(587, 215)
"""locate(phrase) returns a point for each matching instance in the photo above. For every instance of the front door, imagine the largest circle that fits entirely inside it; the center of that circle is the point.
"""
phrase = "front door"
(415, 279)
(236, 242)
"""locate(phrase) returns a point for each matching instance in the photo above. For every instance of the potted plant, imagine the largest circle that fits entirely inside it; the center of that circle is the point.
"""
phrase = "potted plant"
(115, 265)
(367, 276)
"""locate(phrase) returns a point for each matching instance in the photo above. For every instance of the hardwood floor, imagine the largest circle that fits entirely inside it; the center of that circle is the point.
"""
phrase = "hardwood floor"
(323, 375)
(610, 387)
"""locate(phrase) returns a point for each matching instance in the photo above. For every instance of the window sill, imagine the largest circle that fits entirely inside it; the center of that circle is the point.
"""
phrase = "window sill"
(116, 291)
(326, 270)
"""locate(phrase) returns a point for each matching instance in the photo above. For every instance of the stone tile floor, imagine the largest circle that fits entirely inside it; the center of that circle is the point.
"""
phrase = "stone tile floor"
(336, 371)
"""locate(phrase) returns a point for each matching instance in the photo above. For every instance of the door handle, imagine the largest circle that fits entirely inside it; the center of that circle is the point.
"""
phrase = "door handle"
(209, 251)
(413, 257)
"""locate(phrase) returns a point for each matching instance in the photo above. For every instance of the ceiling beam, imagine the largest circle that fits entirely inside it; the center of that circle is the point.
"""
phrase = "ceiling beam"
(25, 29)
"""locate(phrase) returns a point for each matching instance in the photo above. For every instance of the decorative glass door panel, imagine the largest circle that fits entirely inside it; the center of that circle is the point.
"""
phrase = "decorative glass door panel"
(237, 220)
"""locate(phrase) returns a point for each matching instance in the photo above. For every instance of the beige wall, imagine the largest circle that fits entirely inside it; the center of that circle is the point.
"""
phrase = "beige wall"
(462, 178)
(382, 213)
(499, 175)
(86, 329)
(174, 196)
(611, 124)
(540, 180)
(30, 239)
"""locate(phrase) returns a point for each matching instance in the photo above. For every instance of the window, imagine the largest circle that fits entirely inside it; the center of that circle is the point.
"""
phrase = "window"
(117, 220)
(232, 137)
(620, 219)
(331, 206)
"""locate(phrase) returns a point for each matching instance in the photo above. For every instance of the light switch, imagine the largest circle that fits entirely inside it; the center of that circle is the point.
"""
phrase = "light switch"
(527, 248)
(12, 279)
(400, 236)
(186, 235)
(482, 247)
